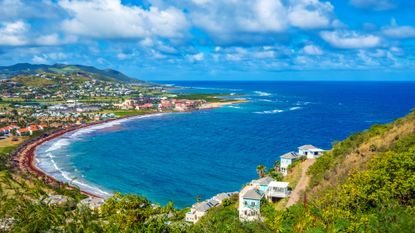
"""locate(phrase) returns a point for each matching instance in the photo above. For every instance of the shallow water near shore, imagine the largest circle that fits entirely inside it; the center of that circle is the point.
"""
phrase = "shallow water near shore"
(181, 155)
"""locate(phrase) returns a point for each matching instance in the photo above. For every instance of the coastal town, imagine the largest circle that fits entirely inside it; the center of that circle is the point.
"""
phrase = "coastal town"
(56, 99)
(40, 106)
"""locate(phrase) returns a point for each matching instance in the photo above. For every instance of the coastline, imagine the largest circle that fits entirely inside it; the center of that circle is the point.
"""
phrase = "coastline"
(24, 158)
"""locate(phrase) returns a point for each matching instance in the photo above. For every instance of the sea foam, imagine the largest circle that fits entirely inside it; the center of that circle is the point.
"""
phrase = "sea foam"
(262, 93)
(270, 112)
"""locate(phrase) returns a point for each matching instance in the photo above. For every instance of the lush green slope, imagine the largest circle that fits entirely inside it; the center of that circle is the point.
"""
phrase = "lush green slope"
(365, 184)
(29, 69)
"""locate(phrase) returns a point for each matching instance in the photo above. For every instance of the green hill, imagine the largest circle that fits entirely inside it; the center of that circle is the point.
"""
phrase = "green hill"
(79, 70)
(366, 183)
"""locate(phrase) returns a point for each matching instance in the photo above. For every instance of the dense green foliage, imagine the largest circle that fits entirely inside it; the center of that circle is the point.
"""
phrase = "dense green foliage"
(226, 219)
(379, 198)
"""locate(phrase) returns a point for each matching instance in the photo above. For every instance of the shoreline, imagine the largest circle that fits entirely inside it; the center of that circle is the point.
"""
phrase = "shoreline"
(24, 158)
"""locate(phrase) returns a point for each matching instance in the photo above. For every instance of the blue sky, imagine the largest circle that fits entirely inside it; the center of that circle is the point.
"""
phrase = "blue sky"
(216, 39)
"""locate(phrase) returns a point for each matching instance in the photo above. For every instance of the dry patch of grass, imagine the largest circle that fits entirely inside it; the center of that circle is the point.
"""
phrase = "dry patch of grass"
(294, 175)
(357, 160)
(8, 142)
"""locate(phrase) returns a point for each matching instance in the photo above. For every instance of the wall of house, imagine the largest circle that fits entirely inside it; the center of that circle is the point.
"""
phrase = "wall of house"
(285, 162)
(250, 203)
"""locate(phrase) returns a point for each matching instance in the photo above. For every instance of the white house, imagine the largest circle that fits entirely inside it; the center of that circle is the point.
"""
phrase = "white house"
(199, 209)
(262, 183)
(310, 151)
(250, 204)
(287, 159)
(277, 190)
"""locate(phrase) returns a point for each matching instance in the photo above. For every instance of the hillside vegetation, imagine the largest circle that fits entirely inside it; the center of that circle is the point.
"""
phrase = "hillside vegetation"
(366, 183)
(25, 69)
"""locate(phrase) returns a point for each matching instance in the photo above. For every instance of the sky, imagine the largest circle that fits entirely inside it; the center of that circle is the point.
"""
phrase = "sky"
(216, 39)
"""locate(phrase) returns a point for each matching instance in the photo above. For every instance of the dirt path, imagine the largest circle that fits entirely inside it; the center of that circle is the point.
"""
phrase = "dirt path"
(302, 184)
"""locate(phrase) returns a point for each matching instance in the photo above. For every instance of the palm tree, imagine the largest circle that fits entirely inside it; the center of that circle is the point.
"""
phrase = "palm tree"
(260, 169)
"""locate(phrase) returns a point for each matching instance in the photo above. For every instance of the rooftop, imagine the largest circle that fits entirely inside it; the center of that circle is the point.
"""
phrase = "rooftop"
(307, 147)
(253, 194)
(289, 155)
(278, 184)
(205, 205)
(264, 180)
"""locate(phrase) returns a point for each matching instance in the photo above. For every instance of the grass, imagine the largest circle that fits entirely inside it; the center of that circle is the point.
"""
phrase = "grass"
(353, 154)
(294, 175)
(206, 97)
(33, 81)
(125, 113)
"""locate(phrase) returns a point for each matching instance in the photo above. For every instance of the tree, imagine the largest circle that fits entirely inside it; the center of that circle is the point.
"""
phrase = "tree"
(260, 169)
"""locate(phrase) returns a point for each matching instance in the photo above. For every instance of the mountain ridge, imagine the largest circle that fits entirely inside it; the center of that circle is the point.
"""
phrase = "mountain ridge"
(7, 72)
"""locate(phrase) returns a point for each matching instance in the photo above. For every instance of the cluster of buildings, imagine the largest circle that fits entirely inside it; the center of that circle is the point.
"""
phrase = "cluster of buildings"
(16, 130)
(305, 151)
(160, 103)
(199, 209)
(264, 188)
(73, 84)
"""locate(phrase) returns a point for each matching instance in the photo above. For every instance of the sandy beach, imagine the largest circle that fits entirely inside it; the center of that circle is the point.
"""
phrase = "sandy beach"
(24, 157)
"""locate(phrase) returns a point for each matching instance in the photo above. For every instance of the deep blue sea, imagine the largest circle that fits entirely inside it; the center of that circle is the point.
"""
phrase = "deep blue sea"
(179, 156)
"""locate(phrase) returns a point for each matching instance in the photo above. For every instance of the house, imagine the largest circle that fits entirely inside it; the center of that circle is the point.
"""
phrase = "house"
(144, 106)
(287, 159)
(24, 132)
(310, 151)
(199, 209)
(250, 204)
(222, 196)
(29, 130)
(277, 190)
(262, 183)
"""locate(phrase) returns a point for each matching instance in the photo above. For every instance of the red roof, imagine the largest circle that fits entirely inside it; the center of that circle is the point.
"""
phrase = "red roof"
(24, 130)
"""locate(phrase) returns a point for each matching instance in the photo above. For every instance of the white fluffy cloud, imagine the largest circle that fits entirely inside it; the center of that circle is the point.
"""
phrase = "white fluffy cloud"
(350, 39)
(111, 19)
(13, 33)
(310, 14)
(312, 50)
(196, 57)
(378, 5)
(18, 9)
(236, 19)
(400, 32)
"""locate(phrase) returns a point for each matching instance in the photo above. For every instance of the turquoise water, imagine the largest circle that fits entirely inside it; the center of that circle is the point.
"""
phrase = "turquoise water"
(179, 156)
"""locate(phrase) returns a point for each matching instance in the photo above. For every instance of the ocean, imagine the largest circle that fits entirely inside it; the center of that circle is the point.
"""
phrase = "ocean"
(179, 156)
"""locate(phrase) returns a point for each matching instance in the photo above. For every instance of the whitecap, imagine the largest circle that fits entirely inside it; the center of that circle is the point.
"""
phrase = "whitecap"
(265, 100)
(262, 93)
(295, 108)
(270, 112)
(59, 144)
